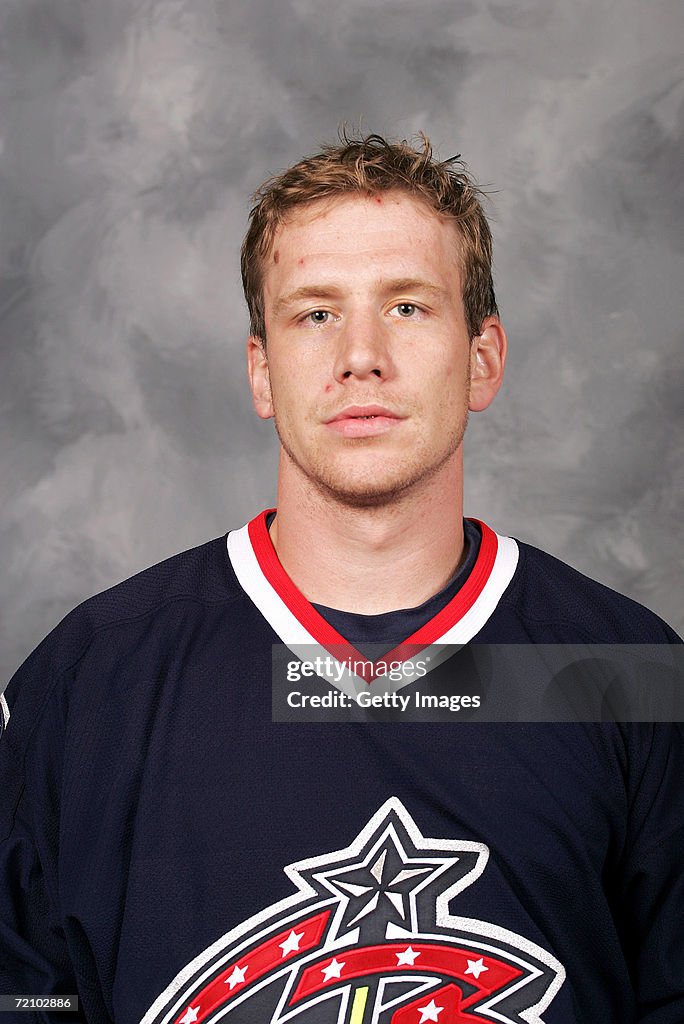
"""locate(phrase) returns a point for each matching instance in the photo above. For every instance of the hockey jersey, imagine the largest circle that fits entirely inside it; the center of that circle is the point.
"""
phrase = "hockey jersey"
(173, 853)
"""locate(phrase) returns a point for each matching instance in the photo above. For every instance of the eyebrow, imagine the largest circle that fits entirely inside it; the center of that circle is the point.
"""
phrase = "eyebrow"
(414, 284)
(400, 284)
(305, 292)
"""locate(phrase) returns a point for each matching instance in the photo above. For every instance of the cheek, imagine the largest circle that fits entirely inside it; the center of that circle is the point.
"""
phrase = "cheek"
(297, 388)
(449, 386)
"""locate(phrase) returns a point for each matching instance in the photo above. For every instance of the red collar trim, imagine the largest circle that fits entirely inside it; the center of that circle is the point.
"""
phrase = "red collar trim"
(324, 634)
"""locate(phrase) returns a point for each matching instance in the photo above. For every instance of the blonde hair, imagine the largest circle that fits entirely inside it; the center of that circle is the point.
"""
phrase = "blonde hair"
(366, 166)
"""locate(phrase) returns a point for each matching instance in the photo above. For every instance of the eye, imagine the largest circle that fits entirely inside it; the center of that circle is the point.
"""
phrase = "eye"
(317, 316)
(406, 309)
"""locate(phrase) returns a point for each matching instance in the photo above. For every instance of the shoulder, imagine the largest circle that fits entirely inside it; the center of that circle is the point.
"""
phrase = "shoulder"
(127, 616)
(200, 575)
(551, 597)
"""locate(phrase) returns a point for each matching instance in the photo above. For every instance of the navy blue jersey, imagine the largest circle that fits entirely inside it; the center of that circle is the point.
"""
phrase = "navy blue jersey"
(173, 855)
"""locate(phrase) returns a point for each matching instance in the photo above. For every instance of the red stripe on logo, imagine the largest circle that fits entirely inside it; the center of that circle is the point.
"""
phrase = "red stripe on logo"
(252, 965)
(444, 1006)
(486, 973)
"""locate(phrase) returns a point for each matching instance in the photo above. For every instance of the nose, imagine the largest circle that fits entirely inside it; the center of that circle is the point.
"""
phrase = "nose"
(363, 349)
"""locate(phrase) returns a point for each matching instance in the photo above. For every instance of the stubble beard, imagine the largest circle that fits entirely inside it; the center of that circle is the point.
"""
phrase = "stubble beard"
(377, 491)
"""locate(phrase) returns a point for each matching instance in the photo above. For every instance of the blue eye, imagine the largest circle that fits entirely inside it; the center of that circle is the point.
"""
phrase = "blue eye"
(406, 309)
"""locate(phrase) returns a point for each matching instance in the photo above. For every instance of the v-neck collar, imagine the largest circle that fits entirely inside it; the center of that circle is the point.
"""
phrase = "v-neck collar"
(301, 628)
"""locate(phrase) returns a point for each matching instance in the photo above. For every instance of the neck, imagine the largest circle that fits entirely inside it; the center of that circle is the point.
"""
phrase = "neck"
(370, 560)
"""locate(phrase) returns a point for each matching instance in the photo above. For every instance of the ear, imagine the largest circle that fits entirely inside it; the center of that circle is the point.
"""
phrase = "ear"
(259, 379)
(487, 361)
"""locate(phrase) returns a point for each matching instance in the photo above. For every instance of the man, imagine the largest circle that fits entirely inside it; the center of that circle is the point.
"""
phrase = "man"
(174, 851)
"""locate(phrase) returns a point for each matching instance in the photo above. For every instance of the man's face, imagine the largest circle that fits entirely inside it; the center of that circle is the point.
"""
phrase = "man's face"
(368, 359)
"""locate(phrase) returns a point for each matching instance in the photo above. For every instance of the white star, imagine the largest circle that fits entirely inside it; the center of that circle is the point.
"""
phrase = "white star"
(429, 1012)
(407, 957)
(237, 977)
(291, 943)
(333, 970)
(190, 1015)
(476, 967)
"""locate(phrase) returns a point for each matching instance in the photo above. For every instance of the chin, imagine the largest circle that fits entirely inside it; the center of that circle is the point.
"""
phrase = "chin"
(373, 492)
(366, 498)
(368, 482)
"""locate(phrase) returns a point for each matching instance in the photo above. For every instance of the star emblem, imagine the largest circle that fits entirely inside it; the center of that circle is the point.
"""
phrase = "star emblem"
(384, 879)
(333, 970)
(237, 977)
(379, 890)
(390, 871)
(429, 1012)
(476, 967)
(190, 1015)
(407, 957)
(291, 943)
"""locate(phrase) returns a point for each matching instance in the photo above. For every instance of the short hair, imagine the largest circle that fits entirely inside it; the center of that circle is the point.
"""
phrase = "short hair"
(367, 166)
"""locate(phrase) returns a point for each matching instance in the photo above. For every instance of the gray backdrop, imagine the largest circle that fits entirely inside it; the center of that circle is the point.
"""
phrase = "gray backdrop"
(132, 132)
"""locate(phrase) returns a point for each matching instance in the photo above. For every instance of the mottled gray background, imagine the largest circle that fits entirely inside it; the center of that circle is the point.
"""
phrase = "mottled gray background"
(132, 132)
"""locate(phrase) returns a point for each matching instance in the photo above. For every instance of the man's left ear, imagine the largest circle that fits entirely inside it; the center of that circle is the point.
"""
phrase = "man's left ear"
(487, 361)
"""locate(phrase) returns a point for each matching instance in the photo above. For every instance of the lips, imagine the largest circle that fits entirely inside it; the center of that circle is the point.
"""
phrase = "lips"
(355, 412)
(364, 421)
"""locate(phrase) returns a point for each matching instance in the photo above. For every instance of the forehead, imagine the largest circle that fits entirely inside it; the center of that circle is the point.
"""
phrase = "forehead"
(349, 234)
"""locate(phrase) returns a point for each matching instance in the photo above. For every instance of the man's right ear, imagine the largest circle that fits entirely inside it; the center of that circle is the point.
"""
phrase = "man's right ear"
(259, 379)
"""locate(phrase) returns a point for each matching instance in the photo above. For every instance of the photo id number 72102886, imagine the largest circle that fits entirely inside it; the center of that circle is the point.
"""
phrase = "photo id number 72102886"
(38, 1002)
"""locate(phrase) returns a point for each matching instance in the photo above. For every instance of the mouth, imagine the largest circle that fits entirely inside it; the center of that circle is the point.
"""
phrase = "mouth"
(364, 421)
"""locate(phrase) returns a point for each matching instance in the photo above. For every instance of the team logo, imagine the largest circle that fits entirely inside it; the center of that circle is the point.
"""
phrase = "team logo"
(367, 938)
